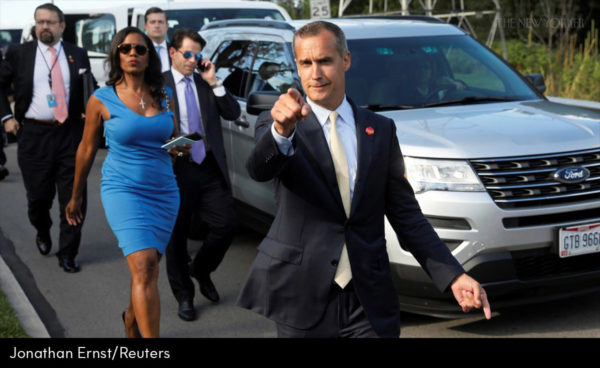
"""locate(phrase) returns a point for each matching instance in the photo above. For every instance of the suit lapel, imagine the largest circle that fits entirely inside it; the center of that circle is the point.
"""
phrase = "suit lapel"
(311, 133)
(168, 56)
(202, 101)
(364, 154)
(29, 58)
(73, 71)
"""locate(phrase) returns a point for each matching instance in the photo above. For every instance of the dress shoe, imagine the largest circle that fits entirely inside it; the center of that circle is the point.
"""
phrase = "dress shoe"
(207, 288)
(43, 242)
(186, 310)
(68, 264)
(3, 172)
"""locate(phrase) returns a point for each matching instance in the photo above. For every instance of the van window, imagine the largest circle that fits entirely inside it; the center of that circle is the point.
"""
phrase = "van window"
(93, 32)
(9, 37)
(272, 69)
(233, 61)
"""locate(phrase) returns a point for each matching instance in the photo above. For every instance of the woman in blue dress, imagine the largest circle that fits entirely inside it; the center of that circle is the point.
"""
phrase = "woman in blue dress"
(138, 187)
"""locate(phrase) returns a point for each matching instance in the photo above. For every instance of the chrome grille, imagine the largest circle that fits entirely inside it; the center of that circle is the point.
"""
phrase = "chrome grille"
(528, 181)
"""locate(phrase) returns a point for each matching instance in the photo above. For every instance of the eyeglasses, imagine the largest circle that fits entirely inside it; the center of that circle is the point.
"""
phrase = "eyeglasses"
(48, 22)
(189, 54)
(125, 48)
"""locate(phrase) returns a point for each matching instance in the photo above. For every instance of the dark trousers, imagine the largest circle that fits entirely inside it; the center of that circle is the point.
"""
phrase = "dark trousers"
(203, 191)
(2, 141)
(344, 318)
(2, 154)
(46, 157)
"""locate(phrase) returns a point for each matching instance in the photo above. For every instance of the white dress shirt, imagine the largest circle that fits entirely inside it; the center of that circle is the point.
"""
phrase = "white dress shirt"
(346, 129)
(39, 109)
(180, 89)
(163, 55)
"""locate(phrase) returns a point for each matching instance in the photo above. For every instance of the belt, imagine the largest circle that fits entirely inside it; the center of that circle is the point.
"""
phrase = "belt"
(42, 122)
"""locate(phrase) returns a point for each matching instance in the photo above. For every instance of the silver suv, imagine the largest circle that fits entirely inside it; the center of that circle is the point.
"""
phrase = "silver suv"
(509, 180)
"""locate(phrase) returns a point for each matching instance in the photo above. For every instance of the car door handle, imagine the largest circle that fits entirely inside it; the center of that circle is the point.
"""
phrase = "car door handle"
(241, 121)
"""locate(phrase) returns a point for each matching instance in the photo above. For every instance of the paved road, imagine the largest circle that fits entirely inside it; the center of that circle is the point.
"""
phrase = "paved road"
(89, 303)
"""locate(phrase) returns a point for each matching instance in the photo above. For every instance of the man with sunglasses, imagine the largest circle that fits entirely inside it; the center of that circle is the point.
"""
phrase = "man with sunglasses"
(47, 76)
(199, 103)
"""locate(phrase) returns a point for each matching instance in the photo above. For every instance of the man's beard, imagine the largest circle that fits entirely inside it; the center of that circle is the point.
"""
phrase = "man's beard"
(46, 37)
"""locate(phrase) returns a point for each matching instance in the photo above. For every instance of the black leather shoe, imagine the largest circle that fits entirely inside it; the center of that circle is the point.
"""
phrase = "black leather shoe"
(186, 310)
(3, 172)
(43, 242)
(67, 264)
(207, 288)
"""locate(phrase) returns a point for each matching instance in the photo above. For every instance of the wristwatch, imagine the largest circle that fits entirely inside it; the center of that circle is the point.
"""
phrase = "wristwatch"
(217, 84)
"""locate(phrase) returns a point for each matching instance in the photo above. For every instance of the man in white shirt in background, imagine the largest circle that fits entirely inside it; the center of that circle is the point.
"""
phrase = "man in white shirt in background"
(156, 26)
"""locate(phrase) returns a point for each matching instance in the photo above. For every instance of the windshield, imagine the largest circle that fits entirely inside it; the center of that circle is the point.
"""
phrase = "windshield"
(196, 18)
(418, 72)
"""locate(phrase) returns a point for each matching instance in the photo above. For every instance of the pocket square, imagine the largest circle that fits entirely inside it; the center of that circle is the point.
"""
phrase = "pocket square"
(82, 70)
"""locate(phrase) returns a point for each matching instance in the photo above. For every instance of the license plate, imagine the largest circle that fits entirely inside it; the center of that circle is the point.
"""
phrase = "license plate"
(577, 240)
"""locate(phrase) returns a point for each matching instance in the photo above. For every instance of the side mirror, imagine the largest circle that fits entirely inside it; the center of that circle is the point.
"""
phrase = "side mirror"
(261, 101)
(537, 80)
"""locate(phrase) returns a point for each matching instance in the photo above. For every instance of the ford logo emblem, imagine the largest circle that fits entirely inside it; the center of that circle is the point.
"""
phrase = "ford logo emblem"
(572, 174)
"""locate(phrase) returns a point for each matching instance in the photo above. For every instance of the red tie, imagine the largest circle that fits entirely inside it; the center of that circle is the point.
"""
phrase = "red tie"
(58, 88)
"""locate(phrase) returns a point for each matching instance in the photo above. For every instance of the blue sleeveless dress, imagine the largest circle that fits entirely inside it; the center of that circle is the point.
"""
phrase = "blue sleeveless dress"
(138, 187)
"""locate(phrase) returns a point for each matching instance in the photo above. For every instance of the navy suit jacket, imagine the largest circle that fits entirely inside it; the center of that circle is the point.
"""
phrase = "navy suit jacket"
(212, 108)
(291, 277)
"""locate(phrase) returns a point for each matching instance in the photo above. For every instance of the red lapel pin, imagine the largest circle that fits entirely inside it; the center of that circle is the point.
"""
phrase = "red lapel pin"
(70, 59)
(370, 131)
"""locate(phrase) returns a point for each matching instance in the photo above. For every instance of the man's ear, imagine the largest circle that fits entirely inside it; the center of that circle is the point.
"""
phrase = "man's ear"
(347, 61)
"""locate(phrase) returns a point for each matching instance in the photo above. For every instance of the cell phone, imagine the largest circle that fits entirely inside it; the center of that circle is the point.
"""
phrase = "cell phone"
(201, 67)
(195, 136)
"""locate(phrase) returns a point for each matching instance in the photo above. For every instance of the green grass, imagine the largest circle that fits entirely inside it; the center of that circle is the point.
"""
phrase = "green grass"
(9, 324)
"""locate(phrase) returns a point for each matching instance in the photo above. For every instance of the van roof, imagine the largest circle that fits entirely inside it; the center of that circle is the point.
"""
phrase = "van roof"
(196, 4)
(211, 4)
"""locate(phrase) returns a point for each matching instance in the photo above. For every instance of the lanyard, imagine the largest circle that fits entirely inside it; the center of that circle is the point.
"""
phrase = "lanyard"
(48, 66)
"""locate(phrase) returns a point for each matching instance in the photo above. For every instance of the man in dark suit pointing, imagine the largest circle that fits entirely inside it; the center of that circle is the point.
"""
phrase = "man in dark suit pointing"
(323, 269)
(47, 76)
(199, 102)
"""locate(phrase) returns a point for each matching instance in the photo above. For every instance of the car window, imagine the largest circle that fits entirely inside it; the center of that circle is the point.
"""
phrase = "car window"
(413, 72)
(272, 69)
(233, 62)
(91, 32)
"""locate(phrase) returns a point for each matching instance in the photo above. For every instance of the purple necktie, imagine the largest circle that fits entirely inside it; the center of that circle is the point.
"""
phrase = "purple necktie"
(194, 125)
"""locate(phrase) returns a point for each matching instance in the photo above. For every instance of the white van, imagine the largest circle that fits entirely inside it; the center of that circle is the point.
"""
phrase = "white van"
(95, 29)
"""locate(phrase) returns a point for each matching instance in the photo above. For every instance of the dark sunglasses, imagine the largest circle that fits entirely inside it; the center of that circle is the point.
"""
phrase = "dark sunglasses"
(189, 54)
(125, 48)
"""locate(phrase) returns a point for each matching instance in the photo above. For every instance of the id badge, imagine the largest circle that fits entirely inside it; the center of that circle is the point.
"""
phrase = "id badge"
(51, 98)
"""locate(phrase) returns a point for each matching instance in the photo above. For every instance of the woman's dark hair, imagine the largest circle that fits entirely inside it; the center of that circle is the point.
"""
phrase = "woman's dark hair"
(152, 75)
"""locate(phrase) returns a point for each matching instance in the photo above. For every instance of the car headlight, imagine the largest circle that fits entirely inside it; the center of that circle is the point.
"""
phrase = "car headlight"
(443, 175)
